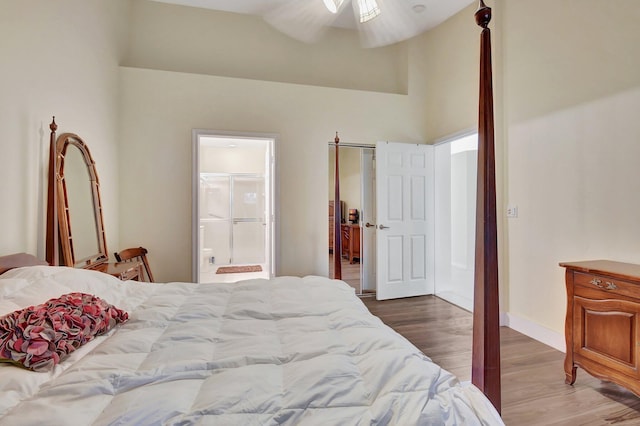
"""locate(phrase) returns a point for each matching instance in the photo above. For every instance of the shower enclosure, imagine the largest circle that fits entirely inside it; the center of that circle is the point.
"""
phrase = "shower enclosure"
(232, 220)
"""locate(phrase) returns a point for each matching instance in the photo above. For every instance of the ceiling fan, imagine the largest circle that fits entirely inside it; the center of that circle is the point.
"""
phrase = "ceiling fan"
(379, 22)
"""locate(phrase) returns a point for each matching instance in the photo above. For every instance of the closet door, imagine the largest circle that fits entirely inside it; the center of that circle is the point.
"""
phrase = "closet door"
(404, 238)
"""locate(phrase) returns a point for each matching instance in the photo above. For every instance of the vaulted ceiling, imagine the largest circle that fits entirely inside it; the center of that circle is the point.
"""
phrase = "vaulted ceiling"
(435, 11)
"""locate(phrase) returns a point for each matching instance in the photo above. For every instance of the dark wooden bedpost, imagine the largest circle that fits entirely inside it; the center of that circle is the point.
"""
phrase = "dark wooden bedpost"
(337, 220)
(485, 372)
(52, 208)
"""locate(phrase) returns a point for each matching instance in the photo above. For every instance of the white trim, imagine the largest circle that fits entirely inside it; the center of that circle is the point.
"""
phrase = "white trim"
(352, 145)
(460, 301)
(533, 330)
(195, 205)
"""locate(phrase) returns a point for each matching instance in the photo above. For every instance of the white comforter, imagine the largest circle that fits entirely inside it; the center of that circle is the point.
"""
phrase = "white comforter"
(286, 351)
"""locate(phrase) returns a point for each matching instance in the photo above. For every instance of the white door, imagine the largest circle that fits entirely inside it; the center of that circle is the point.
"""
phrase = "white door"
(404, 238)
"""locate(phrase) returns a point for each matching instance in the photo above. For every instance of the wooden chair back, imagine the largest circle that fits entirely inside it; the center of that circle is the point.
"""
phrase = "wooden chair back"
(136, 254)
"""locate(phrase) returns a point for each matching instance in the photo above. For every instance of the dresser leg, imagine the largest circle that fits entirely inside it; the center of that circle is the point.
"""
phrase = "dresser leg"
(570, 375)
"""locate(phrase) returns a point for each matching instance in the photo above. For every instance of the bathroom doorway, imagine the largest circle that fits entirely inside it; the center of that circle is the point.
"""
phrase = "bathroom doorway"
(233, 212)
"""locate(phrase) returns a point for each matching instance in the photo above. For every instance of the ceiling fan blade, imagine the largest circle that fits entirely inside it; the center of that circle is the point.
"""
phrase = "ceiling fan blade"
(303, 20)
(396, 22)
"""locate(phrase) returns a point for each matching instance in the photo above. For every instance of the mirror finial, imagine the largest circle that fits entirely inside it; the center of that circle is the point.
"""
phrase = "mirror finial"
(53, 126)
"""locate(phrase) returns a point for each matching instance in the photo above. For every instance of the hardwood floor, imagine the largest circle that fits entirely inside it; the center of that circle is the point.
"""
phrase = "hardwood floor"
(350, 272)
(533, 388)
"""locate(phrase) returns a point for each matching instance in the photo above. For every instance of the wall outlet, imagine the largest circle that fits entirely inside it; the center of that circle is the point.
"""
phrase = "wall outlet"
(512, 211)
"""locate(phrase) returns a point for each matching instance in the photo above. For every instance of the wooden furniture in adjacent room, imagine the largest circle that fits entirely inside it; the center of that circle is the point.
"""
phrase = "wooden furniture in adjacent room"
(331, 222)
(603, 321)
(331, 203)
(351, 241)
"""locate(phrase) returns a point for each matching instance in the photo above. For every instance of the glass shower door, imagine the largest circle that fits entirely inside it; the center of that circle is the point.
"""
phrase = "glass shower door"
(248, 235)
(232, 220)
(215, 221)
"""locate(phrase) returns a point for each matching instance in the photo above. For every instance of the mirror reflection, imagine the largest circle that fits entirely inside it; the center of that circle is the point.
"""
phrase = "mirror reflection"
(79, 211)
(82, 222)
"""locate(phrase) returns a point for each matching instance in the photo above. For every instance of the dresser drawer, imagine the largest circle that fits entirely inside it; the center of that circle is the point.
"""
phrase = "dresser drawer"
(606, 285)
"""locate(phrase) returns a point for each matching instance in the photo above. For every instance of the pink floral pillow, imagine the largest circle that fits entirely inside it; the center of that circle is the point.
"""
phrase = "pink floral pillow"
(38, 337)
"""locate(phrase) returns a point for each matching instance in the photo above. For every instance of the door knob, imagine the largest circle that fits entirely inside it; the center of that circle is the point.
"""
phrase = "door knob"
(369, 225)
(383, 227)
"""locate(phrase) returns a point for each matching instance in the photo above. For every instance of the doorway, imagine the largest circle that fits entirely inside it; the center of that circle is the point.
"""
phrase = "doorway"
(357, 194)
(455, 192)
(233, 212)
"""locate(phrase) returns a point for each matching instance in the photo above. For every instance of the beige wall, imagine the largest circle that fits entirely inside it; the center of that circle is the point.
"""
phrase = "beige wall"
(158, 111)
(572, 96)
(452, 75)
(567, 92)
(200, 41)
(191, 88)
(58, 58)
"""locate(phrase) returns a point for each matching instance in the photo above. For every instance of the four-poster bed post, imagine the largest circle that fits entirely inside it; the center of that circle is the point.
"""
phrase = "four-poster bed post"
(485, 369)
(337, 219)
(485, 372)
(52, 245)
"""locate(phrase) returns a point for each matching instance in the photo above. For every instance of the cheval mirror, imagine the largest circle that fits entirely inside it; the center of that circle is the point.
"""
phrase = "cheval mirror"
(74, 206)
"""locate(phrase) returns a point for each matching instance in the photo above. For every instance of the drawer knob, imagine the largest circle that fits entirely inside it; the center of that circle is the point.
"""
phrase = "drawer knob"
(608, 285)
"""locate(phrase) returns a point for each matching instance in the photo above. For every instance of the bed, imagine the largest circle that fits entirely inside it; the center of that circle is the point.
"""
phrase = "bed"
(288, 350)
(282, 351)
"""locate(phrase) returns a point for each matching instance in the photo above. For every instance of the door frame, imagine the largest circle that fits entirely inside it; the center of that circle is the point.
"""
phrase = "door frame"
(367, 243)
(274, 246)
(368, 236)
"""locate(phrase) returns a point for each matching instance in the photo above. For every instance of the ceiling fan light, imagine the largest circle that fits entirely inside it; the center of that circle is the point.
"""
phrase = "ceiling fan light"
(333, 5)
(368, 10)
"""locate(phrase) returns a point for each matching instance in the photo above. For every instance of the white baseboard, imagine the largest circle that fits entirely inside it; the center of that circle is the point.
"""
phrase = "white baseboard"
(533, 330)
(458, 300)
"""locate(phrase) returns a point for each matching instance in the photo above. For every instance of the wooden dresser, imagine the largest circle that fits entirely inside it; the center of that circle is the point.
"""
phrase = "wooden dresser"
(331, 203)
(351, 241)
(602, 327)
(331, 222)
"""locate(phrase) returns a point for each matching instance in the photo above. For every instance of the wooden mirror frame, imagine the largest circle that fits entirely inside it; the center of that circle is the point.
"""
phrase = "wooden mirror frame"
(60, 249)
